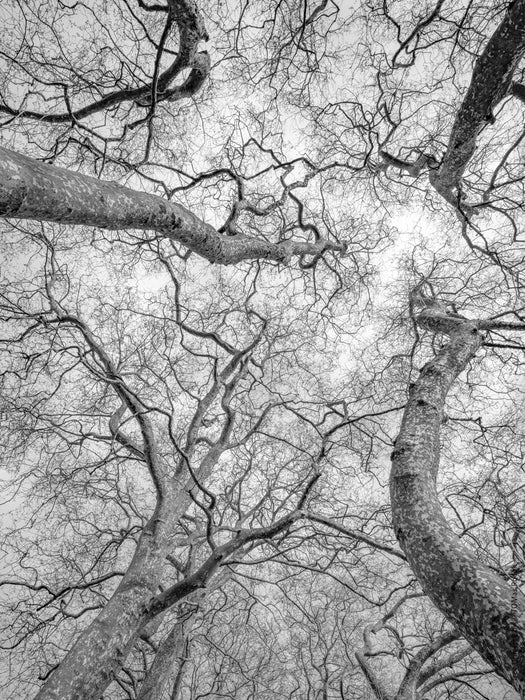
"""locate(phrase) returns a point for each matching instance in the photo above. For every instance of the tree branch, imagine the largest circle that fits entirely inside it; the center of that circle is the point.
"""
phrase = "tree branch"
(30, 189)
(191, 32)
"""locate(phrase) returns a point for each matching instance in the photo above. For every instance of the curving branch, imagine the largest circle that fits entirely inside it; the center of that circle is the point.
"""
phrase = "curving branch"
(114, 425)
(433, 674)
(169, 657)
(188, 19)
(411, 682)
(487, 610)
(30, 189)
(422, 667)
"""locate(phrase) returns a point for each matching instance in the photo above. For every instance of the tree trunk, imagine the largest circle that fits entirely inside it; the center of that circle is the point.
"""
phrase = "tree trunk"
(91, 664)
(100, 650)
(490, 83)
(488, 611)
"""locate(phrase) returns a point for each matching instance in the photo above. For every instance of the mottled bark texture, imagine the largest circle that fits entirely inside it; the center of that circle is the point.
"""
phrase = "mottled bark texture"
(488, 611)
(490, 83)
(30, 189)
(99, 652)
(91, 664)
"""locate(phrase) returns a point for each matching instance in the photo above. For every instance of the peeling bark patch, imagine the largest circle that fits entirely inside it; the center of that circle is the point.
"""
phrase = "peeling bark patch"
(426, 404)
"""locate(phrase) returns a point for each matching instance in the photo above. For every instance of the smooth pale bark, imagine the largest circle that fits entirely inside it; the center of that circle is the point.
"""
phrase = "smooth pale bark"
(30, 189)
(408, 689)
(432, 675)
(378, 686)
(167, 668)
(417, 680)
(91, 664)
(414, 678)
(487, 611)
(99, 651)
(97, 655)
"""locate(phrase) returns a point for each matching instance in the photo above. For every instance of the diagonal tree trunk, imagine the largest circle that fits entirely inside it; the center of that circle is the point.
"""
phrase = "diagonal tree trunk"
(168, 661)
(487, 611)
(490, 83)
(96, 656)
(99, 652)
(30, 189)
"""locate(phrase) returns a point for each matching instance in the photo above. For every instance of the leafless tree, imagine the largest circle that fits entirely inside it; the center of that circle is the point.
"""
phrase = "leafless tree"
(240, 244)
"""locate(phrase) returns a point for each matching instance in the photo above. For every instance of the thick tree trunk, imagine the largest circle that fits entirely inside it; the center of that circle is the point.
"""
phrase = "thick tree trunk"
(91, 664)
(30, 189)
(490, 83)
(488, 611)
(98, 653)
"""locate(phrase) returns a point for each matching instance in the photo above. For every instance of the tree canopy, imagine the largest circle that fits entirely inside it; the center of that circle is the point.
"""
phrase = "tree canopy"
(262, 315)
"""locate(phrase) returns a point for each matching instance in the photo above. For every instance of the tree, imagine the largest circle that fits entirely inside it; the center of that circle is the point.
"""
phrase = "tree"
(205, 356)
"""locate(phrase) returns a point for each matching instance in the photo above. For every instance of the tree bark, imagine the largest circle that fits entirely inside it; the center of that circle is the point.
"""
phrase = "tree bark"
(408, 689)
(488, 611)
(30, 189)
(490, 83)
(99, 651)
(168, 661)
(96, 656)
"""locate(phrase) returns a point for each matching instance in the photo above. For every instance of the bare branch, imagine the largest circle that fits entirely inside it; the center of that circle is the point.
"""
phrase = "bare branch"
(30, 189)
